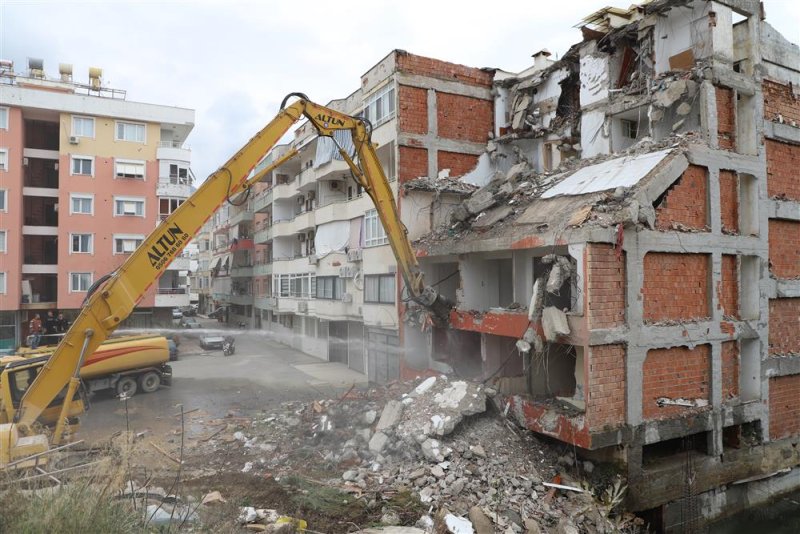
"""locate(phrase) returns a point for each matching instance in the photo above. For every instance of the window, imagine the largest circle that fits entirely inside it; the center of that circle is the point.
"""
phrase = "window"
(126, 244)
(178, 174)
(379, 288)
(374, 234)
(3, 283)
(330, 287)
(3, 241)
(129, 131)
(3, 202)
(129, 169)
(379, 107)
(83, 165)
(630, 129)
(81, 243)
(83, 126)
(3, 159)
(81, 204)
(129, 206)
(3, 118)
(80, 282)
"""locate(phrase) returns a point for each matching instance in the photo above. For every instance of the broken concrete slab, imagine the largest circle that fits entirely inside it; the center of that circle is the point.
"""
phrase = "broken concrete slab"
(390, 415)
(378, 442)
(481, 200)
(434, 450)
(480, 521)
(554, 323)
(493, 216)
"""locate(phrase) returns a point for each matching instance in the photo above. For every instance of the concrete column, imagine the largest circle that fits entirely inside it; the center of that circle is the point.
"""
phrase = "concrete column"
(433, 132)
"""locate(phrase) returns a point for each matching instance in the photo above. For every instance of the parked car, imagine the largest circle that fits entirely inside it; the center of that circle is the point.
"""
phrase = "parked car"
(177, 313)
(211, 342)
(189, 311)
(190, 323)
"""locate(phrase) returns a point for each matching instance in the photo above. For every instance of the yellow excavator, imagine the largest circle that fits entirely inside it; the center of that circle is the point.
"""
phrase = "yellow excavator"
(113, 297)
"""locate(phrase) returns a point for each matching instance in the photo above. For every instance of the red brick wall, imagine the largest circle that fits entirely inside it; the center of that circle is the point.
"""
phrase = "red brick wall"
(413, 114)
(686, 201)
(779, 99)
(784, 248)
(412, 163)
(605, 286)
(678, 372)
(459, 164)
(784, 406)
(730, 370)
(605, 400)
(729, 286)
(464, 118)
(729, 201)
(726, 118)
(675, 286)
(435, 68)
(784, 325)
(783, 170)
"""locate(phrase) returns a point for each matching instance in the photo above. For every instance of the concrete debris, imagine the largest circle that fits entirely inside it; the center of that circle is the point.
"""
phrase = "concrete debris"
(480, 521)
(391, 530)
(689, 403)
(492, 216)
(390, 518)
(537, 301)
(378, 442)
(247, 515)
(554, 323)
(441, 184)
(458, 525)
(160, 515)
(390, 416)
(213, 497)
(523, 346)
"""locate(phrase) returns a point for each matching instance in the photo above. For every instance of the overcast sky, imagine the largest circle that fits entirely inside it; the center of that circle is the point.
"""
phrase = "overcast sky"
(233, 62)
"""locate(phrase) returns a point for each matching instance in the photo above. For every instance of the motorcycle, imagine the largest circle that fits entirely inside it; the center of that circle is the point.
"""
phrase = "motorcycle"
(228, 346)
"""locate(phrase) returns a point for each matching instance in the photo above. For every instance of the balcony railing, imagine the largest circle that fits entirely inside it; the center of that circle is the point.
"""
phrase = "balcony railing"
(171, 291)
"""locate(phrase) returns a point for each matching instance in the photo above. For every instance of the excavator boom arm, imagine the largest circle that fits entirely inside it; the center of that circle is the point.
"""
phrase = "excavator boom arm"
(116, 298)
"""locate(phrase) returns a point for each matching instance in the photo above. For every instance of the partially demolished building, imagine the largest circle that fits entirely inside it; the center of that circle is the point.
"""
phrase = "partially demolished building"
(626, 260)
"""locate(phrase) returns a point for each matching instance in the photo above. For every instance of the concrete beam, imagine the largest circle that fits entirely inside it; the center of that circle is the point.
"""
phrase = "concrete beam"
(444, 86)
(743, 7)
(723, 159)
(784, 209)
(781, 366)
(723, 74)
(439, 143)
(699, 242)
(782, 132)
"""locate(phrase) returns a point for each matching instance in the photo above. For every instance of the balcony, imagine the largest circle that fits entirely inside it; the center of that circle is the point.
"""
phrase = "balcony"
(172, 151)
(181, 263)
(265, 303)
(174, 187)
(242, 244)
(262, 201)
(282, 191)
(242, 272)
(298, 264)
(242, 300)
(39, 291)
(242, 216)
(301, 222)
(264, 235)
(40, 173)
(171, 297)
(335, 211)
(334, 309)
(262, 269)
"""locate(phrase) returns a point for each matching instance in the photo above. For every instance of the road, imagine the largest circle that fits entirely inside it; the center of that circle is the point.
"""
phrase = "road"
(261, 374)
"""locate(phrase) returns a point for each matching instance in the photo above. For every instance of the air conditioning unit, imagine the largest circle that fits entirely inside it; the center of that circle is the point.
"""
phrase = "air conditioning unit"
(334, 185)
(272, 302)
(312, 259)
(301, 200)
(312, 195)
(302, 306)
(301, 237)
(354, 255)
(347, 298)
(345, 272)
(74, 139)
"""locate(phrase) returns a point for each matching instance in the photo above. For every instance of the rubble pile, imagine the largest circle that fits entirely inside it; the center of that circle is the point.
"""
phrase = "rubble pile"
(445, 441)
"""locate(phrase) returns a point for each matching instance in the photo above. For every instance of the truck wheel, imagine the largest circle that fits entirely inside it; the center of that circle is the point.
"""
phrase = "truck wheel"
(126, 386)
(149, 382)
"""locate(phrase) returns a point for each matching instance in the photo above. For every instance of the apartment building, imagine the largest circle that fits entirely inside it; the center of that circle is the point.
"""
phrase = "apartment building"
(626, 270)
(85, 175)
(307, 257)
(200, 277)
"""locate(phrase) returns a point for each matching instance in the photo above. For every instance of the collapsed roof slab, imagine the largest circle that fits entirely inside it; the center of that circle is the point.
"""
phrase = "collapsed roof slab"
(619, 172)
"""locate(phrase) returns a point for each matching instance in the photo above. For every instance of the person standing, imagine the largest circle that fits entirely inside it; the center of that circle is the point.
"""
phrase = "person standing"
(35, 331)
(62, 324)
(50, 323)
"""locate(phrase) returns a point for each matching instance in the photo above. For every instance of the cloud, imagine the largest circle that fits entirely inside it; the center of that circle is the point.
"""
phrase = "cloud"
(234, 61)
